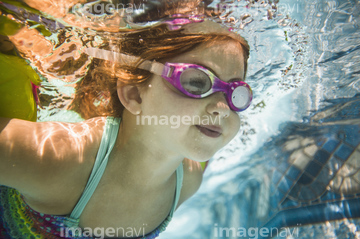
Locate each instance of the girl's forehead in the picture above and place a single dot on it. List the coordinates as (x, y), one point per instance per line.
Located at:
(224, 58)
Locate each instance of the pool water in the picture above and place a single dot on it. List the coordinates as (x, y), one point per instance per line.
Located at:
(294, 165)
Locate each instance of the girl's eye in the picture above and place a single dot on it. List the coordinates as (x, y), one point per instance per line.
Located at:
(195, 81)
(199, 83)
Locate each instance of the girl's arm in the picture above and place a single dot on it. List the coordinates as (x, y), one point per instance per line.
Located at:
(26, 153)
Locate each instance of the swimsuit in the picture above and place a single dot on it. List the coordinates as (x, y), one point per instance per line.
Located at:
(19, 221)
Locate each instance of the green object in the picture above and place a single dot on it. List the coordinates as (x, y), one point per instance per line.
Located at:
(8, 27)
(42, 29)
(22, 5)
(16, 94)
(204, 165)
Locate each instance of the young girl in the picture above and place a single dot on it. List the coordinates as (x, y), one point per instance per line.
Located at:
(141, 172)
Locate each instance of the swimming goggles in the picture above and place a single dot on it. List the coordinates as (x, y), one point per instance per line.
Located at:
(192, 80)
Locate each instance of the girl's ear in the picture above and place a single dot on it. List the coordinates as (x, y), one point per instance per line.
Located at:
(130, 98)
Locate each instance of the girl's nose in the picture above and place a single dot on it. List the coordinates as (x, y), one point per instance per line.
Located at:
(218, 105)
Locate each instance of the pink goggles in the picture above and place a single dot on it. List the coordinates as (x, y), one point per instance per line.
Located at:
(197, 81)
(192, 80)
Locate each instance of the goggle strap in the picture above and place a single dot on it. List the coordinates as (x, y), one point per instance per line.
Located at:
(152, 66)
(111, 56)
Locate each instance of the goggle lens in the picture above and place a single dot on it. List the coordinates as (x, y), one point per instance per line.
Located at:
(195, 81)
(240, 97)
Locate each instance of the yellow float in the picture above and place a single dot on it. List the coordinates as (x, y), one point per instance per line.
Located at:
(18, 81)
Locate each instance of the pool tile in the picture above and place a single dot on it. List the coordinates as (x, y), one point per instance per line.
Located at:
(352, 135)
(274, 202)
(295, 191)
(331, 145)
(323, 178)
(285, 184)
(330, 196)
(322, 156)
(293, 172)
(320, 142)
(343, 152)
(276, 177)
(280, 196)
(313, 169)
(334, 165)
(283, 167)
(307, 194)
(305, 179)
(288, 203)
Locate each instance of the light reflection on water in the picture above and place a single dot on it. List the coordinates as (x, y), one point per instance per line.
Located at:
(303, 54)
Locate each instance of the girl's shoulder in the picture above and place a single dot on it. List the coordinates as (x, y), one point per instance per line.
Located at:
(38, 157)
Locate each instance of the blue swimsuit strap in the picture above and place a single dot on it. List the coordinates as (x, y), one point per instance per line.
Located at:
(108, 140)
(179, 181)
(107, 143)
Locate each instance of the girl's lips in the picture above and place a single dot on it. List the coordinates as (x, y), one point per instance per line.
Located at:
(210, 130)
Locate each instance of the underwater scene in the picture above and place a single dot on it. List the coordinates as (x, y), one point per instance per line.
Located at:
(293, 169)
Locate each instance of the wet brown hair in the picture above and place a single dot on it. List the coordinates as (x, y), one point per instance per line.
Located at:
(96, 93)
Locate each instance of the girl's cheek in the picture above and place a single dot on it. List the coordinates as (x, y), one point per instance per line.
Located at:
(236, 123)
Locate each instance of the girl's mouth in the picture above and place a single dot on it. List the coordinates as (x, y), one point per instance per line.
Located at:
(210, 130)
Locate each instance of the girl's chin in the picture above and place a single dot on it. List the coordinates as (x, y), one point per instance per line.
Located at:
(201, 158)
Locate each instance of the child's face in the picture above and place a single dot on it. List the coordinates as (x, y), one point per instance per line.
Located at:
(182, 120)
